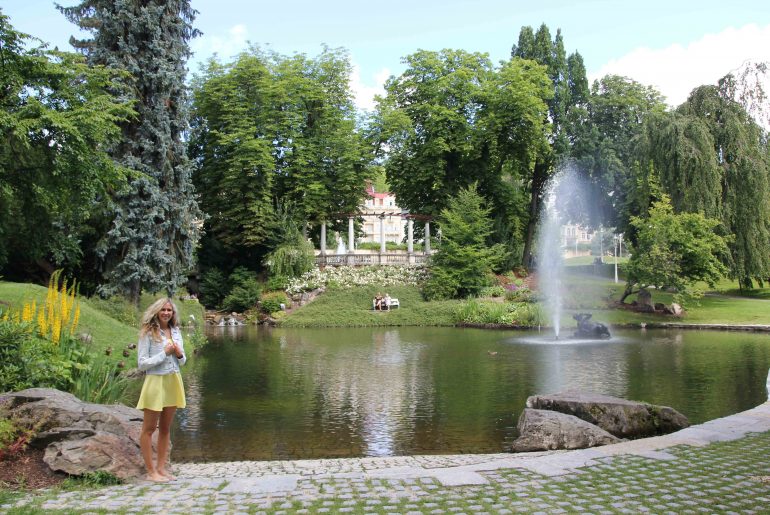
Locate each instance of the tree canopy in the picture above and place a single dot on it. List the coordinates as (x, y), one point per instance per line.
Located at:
(58, 117)
(268, 130)
(674, 250)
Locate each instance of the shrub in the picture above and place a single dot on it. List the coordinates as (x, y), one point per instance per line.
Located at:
(277, 282)
(492, 291)
(345, 277)
(214, 287)
(117, 307)
(519, 294)
(517, 314)
(389, 245)
(245, 291)
(271, 302)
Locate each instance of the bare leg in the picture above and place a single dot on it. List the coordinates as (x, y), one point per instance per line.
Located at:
(149, 424)
(164, 440)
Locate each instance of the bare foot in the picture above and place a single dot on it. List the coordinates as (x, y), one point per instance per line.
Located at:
(168, 475)
(157, 477)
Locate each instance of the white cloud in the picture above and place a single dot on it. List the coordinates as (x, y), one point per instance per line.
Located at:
(363, 93)
(224, 45)
(675, 71)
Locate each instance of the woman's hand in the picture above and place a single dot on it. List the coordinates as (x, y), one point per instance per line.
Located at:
(169, 348)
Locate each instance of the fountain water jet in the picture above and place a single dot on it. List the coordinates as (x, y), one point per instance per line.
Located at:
(550, 265)
(564, 189)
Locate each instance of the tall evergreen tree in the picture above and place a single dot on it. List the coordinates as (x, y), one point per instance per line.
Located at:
(151, 240)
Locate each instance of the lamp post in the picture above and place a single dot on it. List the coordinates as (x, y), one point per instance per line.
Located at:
(615, 239)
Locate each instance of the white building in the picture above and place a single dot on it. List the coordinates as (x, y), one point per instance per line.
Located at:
(576, 240)
(383, 206)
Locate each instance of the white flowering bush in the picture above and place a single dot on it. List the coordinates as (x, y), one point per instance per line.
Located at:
(349, 277)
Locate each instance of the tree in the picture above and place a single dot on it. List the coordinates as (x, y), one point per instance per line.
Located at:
(272, 130)
(605, 149)
(452, 120)
(674, 250)
(566, 113)
(465, 259)
(57, 117)
(741, 151)
(156, 219)
(710, 157)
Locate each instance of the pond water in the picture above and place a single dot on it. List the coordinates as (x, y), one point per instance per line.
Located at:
(259, 394)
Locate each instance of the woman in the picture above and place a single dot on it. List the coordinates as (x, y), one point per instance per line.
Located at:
(160, 355)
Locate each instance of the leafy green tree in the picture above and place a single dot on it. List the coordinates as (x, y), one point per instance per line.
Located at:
(674, 250)
(272, 130)
(465, 259)
(741, 151)
(566, 114)
(57, 117)
(451, 120)
(605, 149)
(156, 219)
(710, 157)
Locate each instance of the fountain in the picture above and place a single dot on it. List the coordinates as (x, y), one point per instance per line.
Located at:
(549, 262)
(340, 246)
(565, 195)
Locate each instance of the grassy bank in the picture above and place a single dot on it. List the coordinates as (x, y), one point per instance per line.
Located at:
(353, 308)
(583, 293)
(110, 323)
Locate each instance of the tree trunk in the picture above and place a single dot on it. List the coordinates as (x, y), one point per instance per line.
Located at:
(539, 179)
(628, 291)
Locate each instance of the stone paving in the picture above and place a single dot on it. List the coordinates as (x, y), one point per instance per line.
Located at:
(722, 466)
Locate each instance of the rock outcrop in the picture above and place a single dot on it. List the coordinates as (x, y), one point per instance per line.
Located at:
(543, 430)
(79, 437)
(619, 417)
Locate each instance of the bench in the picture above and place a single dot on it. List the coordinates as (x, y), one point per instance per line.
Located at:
(391, 304)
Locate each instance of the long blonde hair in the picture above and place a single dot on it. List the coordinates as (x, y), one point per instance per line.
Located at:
(150, 320)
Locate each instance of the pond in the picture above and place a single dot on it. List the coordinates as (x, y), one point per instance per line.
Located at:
(260, 394)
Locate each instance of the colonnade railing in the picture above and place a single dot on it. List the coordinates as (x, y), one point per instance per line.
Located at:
(352, 259)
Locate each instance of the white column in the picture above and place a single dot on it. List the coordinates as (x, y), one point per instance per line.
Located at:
(410, 236)
(323, 238)
(427, 237)
(351, 236)
(382, 235)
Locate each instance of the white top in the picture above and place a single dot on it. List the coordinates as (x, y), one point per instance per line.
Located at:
(154, 360)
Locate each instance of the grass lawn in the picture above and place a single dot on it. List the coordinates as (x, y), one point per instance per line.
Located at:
(353, 308)
(583, 293)
(588, 293)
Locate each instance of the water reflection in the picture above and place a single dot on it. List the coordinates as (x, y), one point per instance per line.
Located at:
(267, 394)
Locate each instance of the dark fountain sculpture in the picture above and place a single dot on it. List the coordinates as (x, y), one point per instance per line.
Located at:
(588, 329)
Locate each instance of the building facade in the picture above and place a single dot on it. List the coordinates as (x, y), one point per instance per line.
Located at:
(382, 206)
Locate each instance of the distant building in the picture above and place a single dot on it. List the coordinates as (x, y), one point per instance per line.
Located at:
(576, 240)
(382, 205)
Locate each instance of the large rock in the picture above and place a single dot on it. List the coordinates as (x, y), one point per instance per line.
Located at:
(620, 417)
(543, 430)
(80, 437)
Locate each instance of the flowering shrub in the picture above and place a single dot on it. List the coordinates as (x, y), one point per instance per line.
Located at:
(348, 277)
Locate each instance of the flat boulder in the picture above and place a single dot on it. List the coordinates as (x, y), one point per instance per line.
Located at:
(619, 417)
(79, 437)
(543, 430)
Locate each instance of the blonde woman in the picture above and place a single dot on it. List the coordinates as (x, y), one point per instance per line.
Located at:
(161, 353)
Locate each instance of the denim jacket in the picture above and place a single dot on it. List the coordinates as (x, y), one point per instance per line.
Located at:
(153, 360)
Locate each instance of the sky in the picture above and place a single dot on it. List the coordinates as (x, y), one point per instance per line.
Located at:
(672, 45)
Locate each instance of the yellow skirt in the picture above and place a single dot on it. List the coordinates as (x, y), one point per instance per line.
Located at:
(160, 391)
